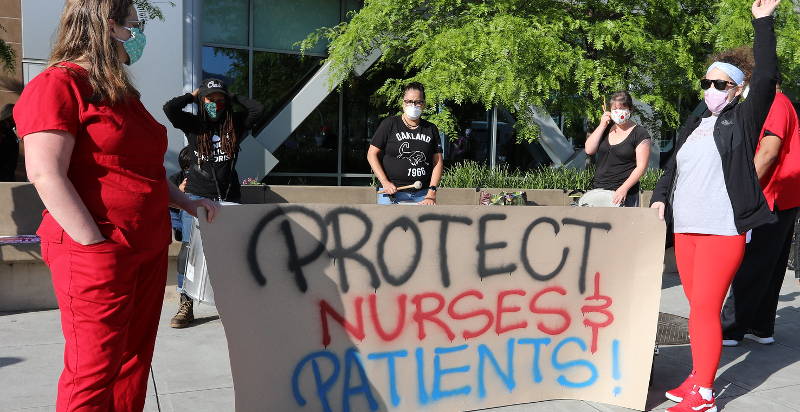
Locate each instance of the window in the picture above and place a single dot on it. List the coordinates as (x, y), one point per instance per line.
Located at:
(228, 65)
(250, 44)
(281, 24)
(278, 76)
(314, 146)
(362, 114)
(226, 22)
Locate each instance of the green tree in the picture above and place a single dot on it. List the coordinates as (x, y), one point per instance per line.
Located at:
(7, 55)
(150, 10)
(733, 29)
(561, 55)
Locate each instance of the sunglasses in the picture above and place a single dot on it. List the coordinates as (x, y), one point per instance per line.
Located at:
(705, 84)
(414, 102)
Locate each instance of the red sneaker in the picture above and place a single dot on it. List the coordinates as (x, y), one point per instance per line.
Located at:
(677, 394)
(694, 402)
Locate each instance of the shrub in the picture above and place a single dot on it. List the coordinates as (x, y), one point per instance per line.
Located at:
(473, 174)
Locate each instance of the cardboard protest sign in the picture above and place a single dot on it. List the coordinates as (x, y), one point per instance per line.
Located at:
(380, 308)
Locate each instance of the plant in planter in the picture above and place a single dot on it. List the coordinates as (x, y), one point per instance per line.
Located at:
(471, 174)
(249, 181)
(504, 199)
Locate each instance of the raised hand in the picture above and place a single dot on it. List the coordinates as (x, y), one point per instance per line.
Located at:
(764, 8)
(606, 118)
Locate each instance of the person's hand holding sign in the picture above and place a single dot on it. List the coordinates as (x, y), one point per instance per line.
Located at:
(660, 206)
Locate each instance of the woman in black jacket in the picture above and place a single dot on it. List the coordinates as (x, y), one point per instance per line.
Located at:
(711, 197)
(214, 136)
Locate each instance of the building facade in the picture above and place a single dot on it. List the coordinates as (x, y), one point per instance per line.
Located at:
(252, 45)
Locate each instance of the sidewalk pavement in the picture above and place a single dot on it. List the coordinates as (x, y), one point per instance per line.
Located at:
(191, 372)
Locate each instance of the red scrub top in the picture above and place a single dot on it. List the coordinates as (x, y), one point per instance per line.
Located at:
(117, 163)
(782, 185)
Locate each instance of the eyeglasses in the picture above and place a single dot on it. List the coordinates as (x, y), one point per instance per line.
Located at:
(138, 24)
(414, 102)
(705, 84)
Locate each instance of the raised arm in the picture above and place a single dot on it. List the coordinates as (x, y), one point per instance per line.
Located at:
(180, 119)
(254, 111)
(765, 73)
(593, 141)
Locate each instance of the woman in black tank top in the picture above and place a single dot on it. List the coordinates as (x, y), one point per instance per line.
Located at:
(623, 150)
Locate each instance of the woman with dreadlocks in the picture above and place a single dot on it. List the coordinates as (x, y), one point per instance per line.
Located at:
(214, 136)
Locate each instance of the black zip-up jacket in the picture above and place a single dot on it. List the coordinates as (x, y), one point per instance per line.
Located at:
(201, 176)
(736, 136)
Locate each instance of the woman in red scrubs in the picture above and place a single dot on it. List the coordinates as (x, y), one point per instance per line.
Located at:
(96, 156)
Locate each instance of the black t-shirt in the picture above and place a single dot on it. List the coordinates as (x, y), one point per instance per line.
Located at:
(407, 154)
(616, 162)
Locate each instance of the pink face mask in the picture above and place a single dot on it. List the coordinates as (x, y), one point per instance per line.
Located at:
(716, 100)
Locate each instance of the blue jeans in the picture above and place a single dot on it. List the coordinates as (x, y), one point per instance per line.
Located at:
(403, 196)
(186, 228)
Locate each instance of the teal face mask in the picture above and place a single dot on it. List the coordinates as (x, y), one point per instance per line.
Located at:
(211, 109)
(135, 45)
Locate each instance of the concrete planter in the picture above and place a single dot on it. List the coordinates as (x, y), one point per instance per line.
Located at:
(25, 280)
(366, 195)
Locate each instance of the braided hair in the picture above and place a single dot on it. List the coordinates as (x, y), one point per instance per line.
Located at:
(226, 132)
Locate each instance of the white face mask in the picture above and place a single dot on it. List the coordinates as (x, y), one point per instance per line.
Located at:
(412, 111)
(620, 116)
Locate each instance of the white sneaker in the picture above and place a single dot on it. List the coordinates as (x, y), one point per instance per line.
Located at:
(764, 341)
(730, 342)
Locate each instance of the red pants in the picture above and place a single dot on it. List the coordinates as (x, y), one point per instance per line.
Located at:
(707, 264)
(110, 298)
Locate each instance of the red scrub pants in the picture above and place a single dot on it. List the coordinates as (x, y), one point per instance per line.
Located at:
(110, 298)
(706, 264)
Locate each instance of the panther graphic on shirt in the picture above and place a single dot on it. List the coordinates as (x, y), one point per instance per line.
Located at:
(415, 158)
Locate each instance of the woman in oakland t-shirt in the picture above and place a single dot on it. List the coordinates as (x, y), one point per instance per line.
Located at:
(406, 149)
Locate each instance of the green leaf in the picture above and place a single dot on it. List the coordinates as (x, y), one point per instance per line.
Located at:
(152, 11)
(563, 56)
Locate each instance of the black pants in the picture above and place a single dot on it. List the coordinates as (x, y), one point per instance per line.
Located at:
(795, 252)
(753, 300)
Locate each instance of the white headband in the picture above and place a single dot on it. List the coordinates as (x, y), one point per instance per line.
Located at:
(732, 71)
